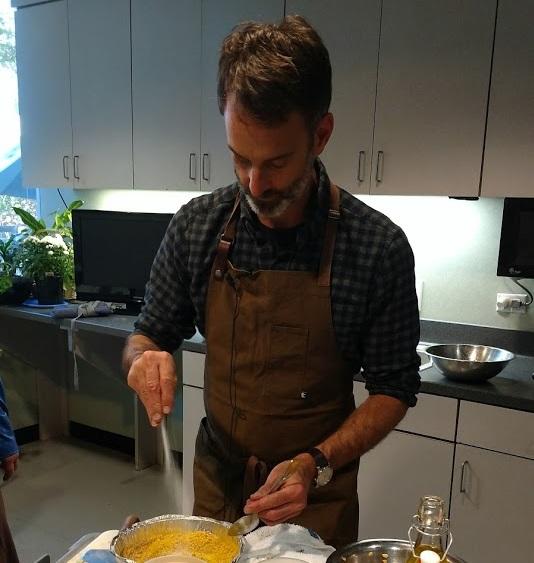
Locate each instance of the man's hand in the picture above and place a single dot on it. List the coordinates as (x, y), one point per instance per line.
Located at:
(152, 375)
(290, 500)
(9, 465)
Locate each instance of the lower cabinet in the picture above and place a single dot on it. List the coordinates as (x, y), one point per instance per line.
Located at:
(393, 477)
(414, 460)
(492, 506)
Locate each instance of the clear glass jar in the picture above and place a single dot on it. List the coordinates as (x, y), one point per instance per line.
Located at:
(432, 534)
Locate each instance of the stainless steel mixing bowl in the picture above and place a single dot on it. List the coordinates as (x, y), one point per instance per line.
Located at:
(378, 551)
(470, 363)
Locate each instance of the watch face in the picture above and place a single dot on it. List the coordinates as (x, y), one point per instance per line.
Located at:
(324, 475)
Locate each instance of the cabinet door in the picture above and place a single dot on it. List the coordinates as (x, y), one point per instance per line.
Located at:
(492, 507)
(350, 33)
(218, 19)
(432, 93)
(193, 413)
(44, 95)
(508, 165)
(100, 59)
(165, 93)
(393, 477)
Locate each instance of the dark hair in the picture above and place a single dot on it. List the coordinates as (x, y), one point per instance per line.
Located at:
(273, 70)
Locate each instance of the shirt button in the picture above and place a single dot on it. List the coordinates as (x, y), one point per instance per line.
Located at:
(303, 394)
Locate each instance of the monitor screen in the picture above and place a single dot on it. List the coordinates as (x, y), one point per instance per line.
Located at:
(516, 250)
(114, 251)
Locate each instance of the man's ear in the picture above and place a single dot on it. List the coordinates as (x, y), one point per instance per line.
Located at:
(322, 133)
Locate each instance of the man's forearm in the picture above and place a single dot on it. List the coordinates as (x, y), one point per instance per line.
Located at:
(363, 429)
(135, 346)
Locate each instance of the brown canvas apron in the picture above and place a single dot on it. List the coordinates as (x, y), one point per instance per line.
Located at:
(275, 386)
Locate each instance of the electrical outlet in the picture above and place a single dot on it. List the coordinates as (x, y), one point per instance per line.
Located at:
(511, 303)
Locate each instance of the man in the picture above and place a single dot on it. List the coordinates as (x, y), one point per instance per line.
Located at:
(9, 455)
(295, 285)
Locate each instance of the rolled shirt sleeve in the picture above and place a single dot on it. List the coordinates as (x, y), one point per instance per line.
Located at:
(390, 362)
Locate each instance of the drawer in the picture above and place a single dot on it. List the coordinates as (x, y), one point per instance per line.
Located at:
(432, 416)
(193, 368)
(496, 428)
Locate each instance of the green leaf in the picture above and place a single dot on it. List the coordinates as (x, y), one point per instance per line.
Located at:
(29, 220)
(75, 204)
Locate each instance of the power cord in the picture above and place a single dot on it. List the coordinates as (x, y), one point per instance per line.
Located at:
(529, 293)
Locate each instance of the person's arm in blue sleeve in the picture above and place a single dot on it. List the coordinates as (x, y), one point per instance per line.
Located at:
(9, 451)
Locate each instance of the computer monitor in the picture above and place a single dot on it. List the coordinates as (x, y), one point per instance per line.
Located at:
(516, 248)
(113, 254)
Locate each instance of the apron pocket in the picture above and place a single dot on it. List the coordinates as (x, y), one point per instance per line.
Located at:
(288, 349)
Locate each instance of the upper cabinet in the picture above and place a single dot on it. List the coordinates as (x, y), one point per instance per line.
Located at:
(179, 140)
(508, 157)
(433, 77)
(166, 93)
(73, 64)
(351, 33)
(44, 95)
(100, 66)
(218, 19)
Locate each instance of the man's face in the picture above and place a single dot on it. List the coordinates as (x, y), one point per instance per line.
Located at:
(273, 165)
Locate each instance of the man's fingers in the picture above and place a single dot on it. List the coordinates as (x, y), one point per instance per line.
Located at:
(282, 513)
(167, 377)
(9, 468)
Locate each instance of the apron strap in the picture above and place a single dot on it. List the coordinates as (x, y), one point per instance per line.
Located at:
(325, 268)
(220, 264)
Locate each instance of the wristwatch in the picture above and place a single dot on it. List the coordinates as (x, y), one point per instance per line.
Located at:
(324, 471)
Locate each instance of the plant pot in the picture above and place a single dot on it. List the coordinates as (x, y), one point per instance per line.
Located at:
(18, 292)
(49, 290)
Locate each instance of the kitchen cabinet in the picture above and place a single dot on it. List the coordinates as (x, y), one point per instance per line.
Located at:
(74, 69)
(193, 409)
(100, 63)
(413, 460)
(508, 165)
(433, 78)
(492, 506)
(179, 139)
(218, 19)
(44, 95)
(351, 34)
(166, 50)
(493, 496)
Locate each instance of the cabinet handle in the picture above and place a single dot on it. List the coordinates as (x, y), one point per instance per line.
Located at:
(192, 166)
(206, 167)
(361, 167)
(66, 167)
(462, 487)
(76, 170)
(379, 167)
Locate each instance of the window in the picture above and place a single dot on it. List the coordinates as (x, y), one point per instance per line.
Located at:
(11, 191)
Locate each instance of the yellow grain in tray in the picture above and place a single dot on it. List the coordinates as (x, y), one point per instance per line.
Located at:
(208, 546)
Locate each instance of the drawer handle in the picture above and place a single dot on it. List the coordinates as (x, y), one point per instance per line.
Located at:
(361, 167)
(463, 489)
(380, 167)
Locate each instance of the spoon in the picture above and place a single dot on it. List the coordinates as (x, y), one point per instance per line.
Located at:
(250, 522)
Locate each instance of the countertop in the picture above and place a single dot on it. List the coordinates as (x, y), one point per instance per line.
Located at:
(512, 388)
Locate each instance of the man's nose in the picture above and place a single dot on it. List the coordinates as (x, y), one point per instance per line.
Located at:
(257, 182)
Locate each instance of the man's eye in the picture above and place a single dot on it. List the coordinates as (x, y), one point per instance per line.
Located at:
(278, 164)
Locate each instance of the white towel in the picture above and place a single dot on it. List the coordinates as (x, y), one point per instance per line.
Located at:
(284, 540)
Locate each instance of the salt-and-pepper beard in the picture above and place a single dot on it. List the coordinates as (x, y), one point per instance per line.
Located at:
(277, 202)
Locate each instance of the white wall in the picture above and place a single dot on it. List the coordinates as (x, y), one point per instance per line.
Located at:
(455, 242)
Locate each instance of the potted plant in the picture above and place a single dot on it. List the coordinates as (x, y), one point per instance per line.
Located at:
(46, 254)
(14, 289)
